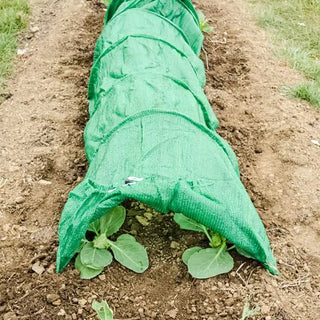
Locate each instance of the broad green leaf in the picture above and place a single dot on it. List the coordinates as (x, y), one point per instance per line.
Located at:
(187, 223)
(94, 226)
(210, 262)
(130, 253)
(103, 310)
(85, 272)
(188, 253)
(244, 253)
(113, 220)
(82, 243)
(101, 241)
(95, 258)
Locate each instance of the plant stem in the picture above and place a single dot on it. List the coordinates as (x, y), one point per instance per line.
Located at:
(109, 243)
(206, 233)
(232, 247)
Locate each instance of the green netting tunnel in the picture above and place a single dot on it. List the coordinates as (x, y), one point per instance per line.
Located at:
(152, 133)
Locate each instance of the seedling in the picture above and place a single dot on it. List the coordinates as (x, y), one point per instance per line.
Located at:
(105, 2)
(203, 22)
(95, 255)
(247, 312)
(103, 310)
(209, 262)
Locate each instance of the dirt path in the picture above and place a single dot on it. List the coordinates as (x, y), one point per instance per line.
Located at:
(42, 159)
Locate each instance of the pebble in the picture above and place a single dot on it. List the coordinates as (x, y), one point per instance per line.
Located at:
(52, 297)
(38, 268)
(82, 302)
(63, 287)
(102, 277)
(229, 302)
(44, 182)
(209, 310)
(61, 312)
(56, 303)
(143, 221)
(134, 232)
(74, 316)
(148, 215)
(174, 244)
(34, 29)
(265, 309)
(10, 316)
(6, 227)
(19, 200)
(172, 313)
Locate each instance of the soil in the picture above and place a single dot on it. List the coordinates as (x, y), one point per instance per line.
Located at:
(42, 159)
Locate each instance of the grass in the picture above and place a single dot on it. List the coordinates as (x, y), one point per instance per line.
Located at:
(13, 18)
(295, 26)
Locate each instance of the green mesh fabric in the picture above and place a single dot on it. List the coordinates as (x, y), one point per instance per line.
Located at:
(152, 133)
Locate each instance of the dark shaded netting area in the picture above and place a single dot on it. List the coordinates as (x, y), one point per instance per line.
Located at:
(152, 133)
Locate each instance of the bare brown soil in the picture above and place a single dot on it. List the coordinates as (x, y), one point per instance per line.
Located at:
(42, 159)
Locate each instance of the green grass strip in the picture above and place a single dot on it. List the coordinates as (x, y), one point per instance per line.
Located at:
(13, 18)
(295, 26)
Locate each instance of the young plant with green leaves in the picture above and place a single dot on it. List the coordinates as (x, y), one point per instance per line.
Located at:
(103, 310)
(209, 262)
(247, 312)
(105, 2)
(95, 255)
(203, 22)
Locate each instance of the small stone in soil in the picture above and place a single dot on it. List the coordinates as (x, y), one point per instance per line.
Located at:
(19, 200)
(44, 182)
(143, 221)
(172, 313)
(6, 227)
(34, 29)
(38, 268)
(52, 297)
(174, 244)
(148, 215)
(61, 312)
(56, 303)
(82, 302)
(10, 316)
(265, 309)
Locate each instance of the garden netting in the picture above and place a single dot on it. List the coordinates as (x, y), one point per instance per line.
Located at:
(152, 133)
